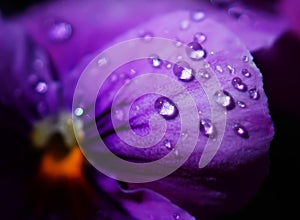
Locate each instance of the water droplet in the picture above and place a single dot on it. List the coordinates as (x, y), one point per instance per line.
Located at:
(219, 69)
(195, 51)
(238, 84)
(147, 36)
(60, 31)
(246, 73)
(224, 99)
(102, 61)
(78, 111)
(241, 104)
(166, 108)
(184, 24)
(207, 128)
(168, 65)
(119, 115)
(176, 216)
(168, 144)
(245, 59)
(240, 131)
(254, 94)
(204, 74)
(155, 61)
(183, 71)
(230, 68)
(199, 37)
(41, 87)
(197, 16)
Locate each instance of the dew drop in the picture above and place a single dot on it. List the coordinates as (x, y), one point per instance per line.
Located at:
(166, 108)
(147, 36)
(246, 73)
(78, 111)
(41, 87)
(240, 131)
(168, 65)
(197, 16)
(254, 94)
(241, 104)
(230, 68)
(155, 61)
(184, 24)
(207, 128)
(195, 51)
(223, 98)
(199, 37)
(203, 73)
(245, 59)
(60, 31)
(176, 216)
(183, 71)
(219, 69)
(168, 144)
(238, 84)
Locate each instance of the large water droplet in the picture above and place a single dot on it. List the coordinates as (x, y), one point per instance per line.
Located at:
(60, 31)
(240, 131)
(195, 51)
(238, 84)
(197, 16)
(166, 108)
(207, 128)
(224, 99)
(41, 87)
(200, 37)
(254, 94)
(246, 73)
(183, 71)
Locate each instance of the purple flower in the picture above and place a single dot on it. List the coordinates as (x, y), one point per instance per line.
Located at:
(45, 51)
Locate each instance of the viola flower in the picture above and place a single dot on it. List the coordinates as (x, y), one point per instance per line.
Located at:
(45, 51)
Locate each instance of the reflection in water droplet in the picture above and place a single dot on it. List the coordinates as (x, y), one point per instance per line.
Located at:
(241, 104)
(195, 51)
(224, 99)
(238, 84)
(41, 87)
(199, 37)
(207, 128)
(184, 24)
(197, 16)
(254, 94)
(183, 71)
(166, 108)
(60, 31)
(246, 73)
(240, 131)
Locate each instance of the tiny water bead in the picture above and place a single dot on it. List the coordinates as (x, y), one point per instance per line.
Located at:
(203, 73)
(254, 94)
(78, 111)
(41, 87)
(60, 31)
(168, 144)
(184, 24)
(197, 16)
(147, 36)
(245, 59)
(166, 108)
(246, 73)
(176, 216)
(230, 69)
(207, 128)
(240, 131)
(183, 71)
(219, 69)
(195, 51)
(199, 37)
(223, 98)
(238, 84)
(155, 61)
(241, 104)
